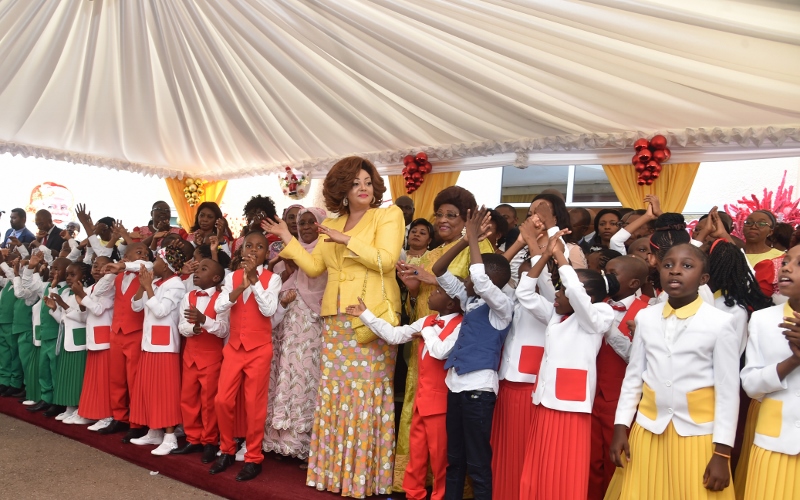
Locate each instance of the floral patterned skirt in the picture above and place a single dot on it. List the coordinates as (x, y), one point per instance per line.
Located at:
(352, 441)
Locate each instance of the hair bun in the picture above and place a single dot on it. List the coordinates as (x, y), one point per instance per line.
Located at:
(670, 221)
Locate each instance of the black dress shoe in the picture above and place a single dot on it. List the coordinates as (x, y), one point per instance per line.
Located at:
(209, 453)
(187, 448)
(223, 462)
(10, 391)
(3, 388)
(41, 405)
(134, 434)
(19, 394)
(114, 427)
(54, 410)
(249, 471)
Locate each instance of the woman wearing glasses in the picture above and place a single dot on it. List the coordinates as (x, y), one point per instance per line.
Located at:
(764, 259)
(450, 206)
(159, 225)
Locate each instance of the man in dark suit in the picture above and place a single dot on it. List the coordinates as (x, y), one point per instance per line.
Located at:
(18, 234)
(49, 235)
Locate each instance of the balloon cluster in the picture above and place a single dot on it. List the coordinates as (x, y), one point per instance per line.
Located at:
(649, 157)
(193, 190)
(414, 171)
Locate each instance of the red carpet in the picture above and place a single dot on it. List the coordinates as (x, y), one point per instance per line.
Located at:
(280, 479)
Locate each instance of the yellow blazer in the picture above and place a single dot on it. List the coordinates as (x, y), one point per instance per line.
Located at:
(379, 230)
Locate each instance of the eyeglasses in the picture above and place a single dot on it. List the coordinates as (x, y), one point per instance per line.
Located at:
(449, 216)
(760, 224)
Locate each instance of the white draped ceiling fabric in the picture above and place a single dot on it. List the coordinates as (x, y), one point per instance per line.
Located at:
(223, 89)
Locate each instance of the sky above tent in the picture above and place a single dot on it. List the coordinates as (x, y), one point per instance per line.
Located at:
(223, 89)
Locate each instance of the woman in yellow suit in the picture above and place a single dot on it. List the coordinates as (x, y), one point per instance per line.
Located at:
(352, 440)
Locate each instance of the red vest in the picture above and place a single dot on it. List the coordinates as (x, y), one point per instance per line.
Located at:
(125, 319)
(431, 396)
(610, 367)
(204, 349)
(249, 328)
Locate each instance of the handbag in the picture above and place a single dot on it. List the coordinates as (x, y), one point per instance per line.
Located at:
(384, 310)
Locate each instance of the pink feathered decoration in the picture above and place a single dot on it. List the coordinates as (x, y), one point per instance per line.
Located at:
(782, 206)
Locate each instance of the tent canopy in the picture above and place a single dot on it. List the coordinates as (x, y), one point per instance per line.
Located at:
(222, 89)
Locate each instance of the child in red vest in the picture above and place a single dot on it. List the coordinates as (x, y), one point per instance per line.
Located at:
(126, 339)
(428, 435)
(155, 401)
(205, 333)
(612, 360)
(251, 295)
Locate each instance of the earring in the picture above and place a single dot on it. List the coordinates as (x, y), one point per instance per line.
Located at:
(374, 200)
(344, 202)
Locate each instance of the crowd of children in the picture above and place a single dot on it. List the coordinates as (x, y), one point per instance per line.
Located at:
(564, 369)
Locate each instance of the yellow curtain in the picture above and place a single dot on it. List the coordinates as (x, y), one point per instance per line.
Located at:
(672, 186)
(424, 196)
(212, 191)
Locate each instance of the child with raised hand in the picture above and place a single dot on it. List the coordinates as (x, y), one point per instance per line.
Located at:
(682, 378)
(472, 365)
(772, 374)
(519, 368)
(71, 348)
(22, 326)
(205, 333)
(428, 436)
(156, 401)
(638, 226)
(612, 360)
(94, 406)
(32, 283)
(558, 444)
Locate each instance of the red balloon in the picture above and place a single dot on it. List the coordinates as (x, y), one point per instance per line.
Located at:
(639, 167)
(408, 159)
(658, 142)
(428, 167)
(416, 176)
(659, 155)
(641, 144)
(413, 168)
(667, 154)
(640, 181)
(646, 175)
(422, 157)
(645, 155)
(651, 165)
(649, 182)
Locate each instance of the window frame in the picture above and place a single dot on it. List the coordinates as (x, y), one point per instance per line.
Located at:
(569, 195)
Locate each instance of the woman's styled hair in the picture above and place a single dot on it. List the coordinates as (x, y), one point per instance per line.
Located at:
(339, 182)
(258, 202)
(457, 196)
(559, 209)
(731, 275)
(500, 222)
(428, 226)
(670, 231)
(209, 205)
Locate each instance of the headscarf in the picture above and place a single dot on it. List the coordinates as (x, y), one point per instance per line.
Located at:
(309, 289)
(276, 246)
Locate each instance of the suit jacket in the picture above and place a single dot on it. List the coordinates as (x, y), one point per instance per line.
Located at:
(379, 230)
(54, 239)
(26, 237)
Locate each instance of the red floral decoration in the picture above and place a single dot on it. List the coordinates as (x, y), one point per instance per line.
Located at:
(414, 171)
(649, 157)
(779, 202)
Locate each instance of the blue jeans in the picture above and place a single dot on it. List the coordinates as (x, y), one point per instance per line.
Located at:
(469, 451)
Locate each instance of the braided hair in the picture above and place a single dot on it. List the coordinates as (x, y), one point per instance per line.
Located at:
(598, 286)
(670, 231)
(731, 275)
(86, 272)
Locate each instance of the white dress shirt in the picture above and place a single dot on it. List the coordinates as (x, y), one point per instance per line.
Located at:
(501, 310)
(99, 303)
(394, 335)
(162, 310)
(267, 300)
(618, 341)
(218, 326)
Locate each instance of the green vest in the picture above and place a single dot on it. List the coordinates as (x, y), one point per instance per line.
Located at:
(23, 317)
(48, 327)
(7, 301)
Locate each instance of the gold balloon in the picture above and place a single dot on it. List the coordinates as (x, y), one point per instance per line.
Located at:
(193, 188)
(189, 181)
(198, 182)
(200, 191)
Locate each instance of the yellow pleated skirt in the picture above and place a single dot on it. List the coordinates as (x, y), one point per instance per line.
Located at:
(614, 491)
(772, 475)
(668, 467)
(740, 476)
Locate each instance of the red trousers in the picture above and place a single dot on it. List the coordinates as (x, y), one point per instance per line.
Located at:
(427, 439)
(198, 391)
(124, 365)
(251, 369)
(601, 468)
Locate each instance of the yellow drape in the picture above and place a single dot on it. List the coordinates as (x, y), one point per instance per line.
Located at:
(672, 186)
(424, 196)
(213, 191)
